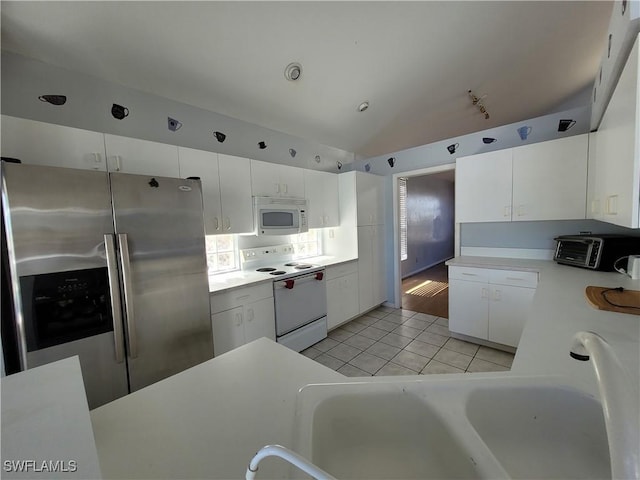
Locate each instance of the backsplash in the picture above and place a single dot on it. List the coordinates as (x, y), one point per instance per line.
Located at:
(531, 235)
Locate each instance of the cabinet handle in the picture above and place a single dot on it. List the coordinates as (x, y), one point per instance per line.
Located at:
(485, 293)
(497, 295)
(243, 296)
(217, 223)
(277, 188)
(517, 279)
(250, 315)
(469, 274)
(97, 160)
(118, 160)
(520, 210)
(238, 319)
(507, 211)
(595, 206)
(228, 227)
(286, 188)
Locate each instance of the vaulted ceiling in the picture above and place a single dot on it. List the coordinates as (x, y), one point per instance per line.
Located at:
(412, 61)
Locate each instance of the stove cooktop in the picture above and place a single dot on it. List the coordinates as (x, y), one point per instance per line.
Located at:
(290, 269)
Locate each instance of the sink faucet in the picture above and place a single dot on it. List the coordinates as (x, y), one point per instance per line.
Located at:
(288, 455)
(620, 404)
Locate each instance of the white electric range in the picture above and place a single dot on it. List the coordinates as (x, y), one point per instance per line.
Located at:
(299, 294)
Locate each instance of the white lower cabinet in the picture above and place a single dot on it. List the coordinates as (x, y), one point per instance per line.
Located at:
(242, 315)
(342, 293)
(490, 304)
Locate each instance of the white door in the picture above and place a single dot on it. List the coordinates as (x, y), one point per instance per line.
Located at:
(259, 320)
(550, 180)
(483, 187)
(506, 318)
(199, 163)
(468, 308)
(39, 143)
(132, 155)
(235, 193)
(228, 330)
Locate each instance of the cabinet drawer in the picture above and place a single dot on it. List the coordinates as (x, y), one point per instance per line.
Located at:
(337, 271)
(470, 274)
(240, 296)
(515, 278)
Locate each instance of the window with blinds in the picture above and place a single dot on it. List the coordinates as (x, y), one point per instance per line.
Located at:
(402, 189)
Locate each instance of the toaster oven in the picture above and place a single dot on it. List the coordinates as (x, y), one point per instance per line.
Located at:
(596, 252)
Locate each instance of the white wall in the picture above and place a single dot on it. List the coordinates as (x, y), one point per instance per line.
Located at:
(430, 222)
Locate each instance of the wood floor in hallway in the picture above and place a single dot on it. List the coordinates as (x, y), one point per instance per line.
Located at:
(427, 291)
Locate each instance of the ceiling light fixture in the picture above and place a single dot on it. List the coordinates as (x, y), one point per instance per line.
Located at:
(363, 106)
(477, 101)
(293, 71)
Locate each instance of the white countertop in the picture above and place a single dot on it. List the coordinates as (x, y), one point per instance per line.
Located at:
(210, 420)
(45, 420)
(560, 309)
(242, 278)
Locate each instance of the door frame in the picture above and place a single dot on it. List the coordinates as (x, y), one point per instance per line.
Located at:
(397, 271)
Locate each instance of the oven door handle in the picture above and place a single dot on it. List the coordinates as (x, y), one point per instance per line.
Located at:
(128, 295)
(114, 290)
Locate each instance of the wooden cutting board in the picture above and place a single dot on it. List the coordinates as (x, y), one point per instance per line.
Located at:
(598, 296)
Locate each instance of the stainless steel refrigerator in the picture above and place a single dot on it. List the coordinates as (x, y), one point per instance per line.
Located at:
(110, 267)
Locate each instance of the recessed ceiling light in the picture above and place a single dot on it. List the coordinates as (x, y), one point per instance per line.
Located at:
(293, 71)
(363, 106)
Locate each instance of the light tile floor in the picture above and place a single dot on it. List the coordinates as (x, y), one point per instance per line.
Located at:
(389, 341)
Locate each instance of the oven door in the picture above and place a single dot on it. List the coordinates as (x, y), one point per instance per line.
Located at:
(299, 301)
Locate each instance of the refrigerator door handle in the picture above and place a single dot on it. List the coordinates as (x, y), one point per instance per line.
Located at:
(114, 290)
(128, 295)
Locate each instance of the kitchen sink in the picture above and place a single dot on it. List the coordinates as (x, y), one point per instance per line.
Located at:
(455, 426)
(541, 432)
(385, 436)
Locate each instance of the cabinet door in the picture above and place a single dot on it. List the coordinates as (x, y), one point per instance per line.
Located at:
(39, 143)
(618, 150)
(550, 180)
(198, 163)
(369, 198)
(265, 180)
(291, 181)
(259, 320)
(334, 303)
(468, 309)
(131, 155)
(365, 268)
(321, 189)
(507, 309)
(483, 187)
(379, 277)
(235, 193)
(228, 330)
(349, 289)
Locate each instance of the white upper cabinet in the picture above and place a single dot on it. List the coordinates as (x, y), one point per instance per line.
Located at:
(198, 163)
(226, 189)
(322, 192)
(540, 181)
(550, 180)
(132, 155)
(483, 187)
(616, 163)
(235, 194)
(275, 180)
(39, 143)
(370, 199)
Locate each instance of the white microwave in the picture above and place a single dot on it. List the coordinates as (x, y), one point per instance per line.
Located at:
(280, 216)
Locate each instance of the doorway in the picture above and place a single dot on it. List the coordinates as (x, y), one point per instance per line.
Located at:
(424, 238)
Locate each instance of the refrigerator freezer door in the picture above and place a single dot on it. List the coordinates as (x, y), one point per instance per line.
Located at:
(161, 220)
(57, 217)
